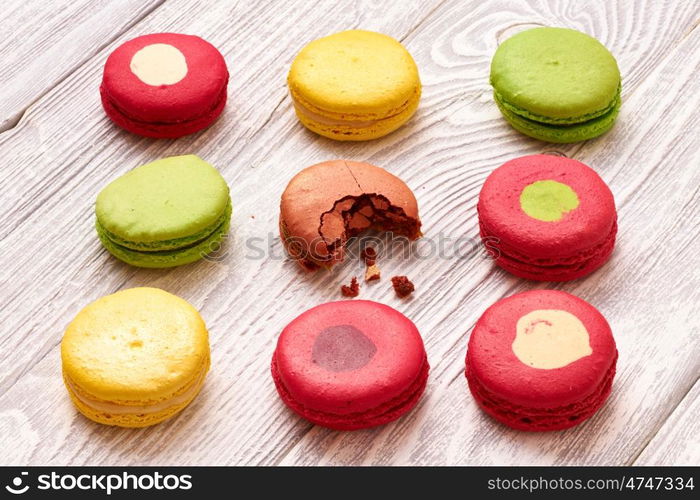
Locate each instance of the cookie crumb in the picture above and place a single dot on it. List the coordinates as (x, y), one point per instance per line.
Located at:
(369, 255)
(353, 290)
(402, 286)
(372, 273)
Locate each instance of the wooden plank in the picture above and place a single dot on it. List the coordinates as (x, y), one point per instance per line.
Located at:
(41, 43)
(678, 440)
(65, 150)
(644, 290)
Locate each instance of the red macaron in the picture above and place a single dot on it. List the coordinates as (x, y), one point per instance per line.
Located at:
(541, 360)
(164, 85)
(350, 365)
(547, 218)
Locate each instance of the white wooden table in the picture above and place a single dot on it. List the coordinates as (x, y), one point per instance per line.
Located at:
(58, 150)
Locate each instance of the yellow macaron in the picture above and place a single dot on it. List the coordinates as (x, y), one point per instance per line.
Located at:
(354, 86)
(135, 358)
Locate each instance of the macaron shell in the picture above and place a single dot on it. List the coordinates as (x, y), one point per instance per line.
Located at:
(357, 73)
(138, 345)
(555, 75)
(380, 415)
(501, 215)
(496, 367)
(196, 95)
(392, 370)
(571, 268)
(164, 200)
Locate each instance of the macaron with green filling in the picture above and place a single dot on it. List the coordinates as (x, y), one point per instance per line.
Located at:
(556, 84)
(167, 213)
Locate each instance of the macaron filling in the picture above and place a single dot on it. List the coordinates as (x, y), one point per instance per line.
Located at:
(562, 132)
(115, 408)
(191, 251)
(349, 120)
(612, 107)
(165, 245)
(347, 218)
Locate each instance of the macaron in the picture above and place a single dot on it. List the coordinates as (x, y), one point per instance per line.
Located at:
(166, 213)
(135, 358)
(164, 85)
(354, 85)
(350, 365)
(547, 218)
(326, 204)
(556, 84)
(541, 360)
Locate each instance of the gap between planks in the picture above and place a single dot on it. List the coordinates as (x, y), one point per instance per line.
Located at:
(15, 120)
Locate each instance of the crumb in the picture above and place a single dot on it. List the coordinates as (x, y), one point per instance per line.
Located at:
(402, 286)
(351, 291)
(252, 217)
(369, 255)
(372, 273)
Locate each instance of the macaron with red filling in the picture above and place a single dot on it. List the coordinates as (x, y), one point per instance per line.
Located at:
(164, 85)
(541, 360)
(350, 365)
(547, 218)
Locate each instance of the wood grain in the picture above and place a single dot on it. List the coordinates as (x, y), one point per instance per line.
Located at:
(41, 43)
(656, 206)
(69, 150)
(64, 150)
(678, 440)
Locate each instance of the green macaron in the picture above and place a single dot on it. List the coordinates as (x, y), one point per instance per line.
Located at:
(556, 84)
(166, 213)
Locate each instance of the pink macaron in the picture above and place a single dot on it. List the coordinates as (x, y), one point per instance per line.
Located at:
(547, 218)
(164, 85)
(350, 365)
(541, 360)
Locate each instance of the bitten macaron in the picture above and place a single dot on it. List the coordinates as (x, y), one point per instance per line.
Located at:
(164, 85)
(326, 204)
(556, 84)
(547, 218)
(541, 360)
(166, 213)
(354, 85)
(350, 365)
(135, 358)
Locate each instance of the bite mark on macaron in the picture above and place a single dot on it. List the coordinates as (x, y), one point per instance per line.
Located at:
(327, 204)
